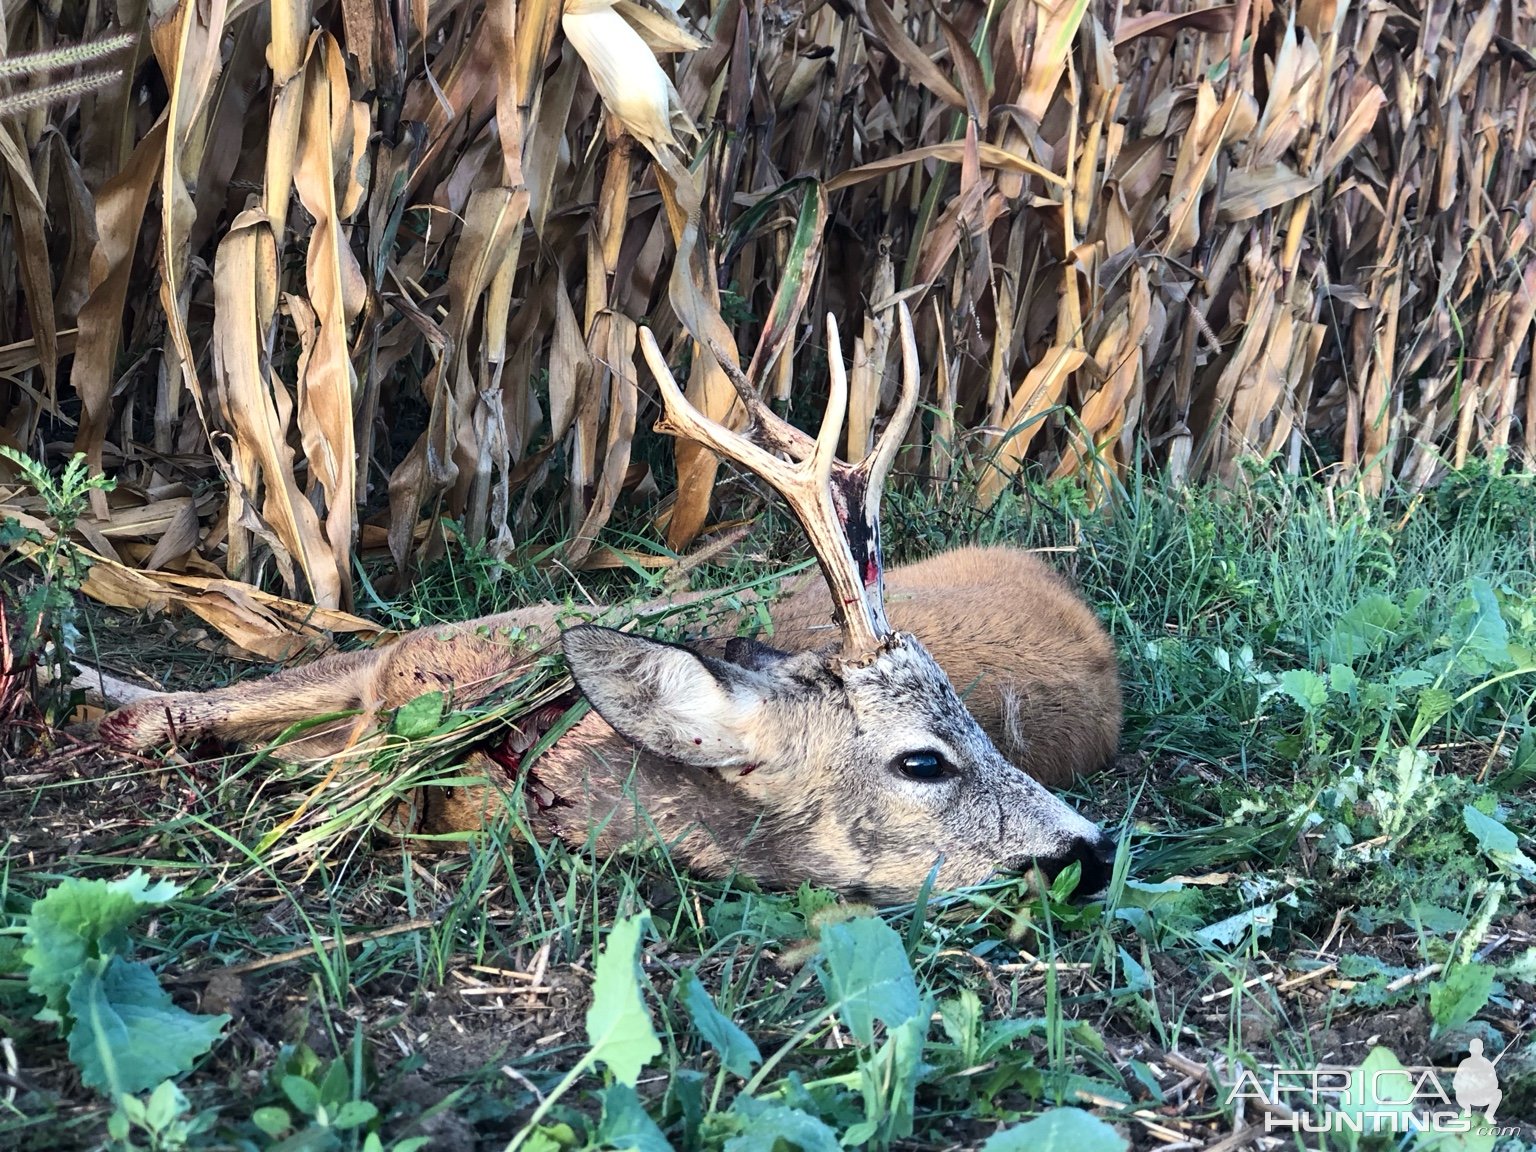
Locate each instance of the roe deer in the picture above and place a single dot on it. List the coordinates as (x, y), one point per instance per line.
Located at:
(853, 765)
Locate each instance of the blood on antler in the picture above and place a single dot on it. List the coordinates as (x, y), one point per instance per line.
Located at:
(836, 503)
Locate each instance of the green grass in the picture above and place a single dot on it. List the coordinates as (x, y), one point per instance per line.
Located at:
(1328, 805)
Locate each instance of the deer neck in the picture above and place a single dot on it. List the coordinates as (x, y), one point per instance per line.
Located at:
(593, 789)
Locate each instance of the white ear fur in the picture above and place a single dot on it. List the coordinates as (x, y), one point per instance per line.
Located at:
(666, 699)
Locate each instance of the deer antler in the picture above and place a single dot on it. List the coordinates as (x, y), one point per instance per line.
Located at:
(837, 504)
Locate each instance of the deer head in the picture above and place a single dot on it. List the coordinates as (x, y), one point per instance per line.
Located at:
(857, 768)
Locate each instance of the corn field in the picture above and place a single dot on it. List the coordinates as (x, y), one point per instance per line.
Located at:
(310, 280)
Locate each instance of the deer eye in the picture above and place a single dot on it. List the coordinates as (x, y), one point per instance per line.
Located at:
(922, 765)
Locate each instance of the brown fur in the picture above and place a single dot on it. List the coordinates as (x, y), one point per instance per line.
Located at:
(1035, 668)
(1031, 661)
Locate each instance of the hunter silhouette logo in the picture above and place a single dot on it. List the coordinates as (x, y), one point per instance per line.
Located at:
(1476, 1083)
(1381, 1095)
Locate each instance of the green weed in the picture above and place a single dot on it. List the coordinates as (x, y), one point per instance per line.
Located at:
(124, 1033)
(45, 629)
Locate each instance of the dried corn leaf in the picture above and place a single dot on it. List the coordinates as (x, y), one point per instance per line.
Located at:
(1249, 192)
(258, 409)
(31, 251)
(616, 336)
(327, 383)
(905, 49)
(1036, 395)
(120, 207)
(259, 624)
(1056, 25)
(988, 155)
(1164, 23)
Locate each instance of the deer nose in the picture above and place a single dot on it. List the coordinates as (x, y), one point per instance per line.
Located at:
(1096, 856)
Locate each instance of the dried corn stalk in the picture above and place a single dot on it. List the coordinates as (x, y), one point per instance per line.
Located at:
(318, 286)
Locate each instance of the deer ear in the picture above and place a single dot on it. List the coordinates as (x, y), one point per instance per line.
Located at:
(666, 699)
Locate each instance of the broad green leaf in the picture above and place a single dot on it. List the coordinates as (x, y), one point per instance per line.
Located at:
(860, 1134)
(1059, 1130)
(1433, 704)
(1151, 893)
(1477, 641)
(735, 1047)
(997, 1035)
(1370, 1096)
(336, 1085)
(81, 920)
(353, 1113)
(626, 1126)
(1234, 929)
(1522, 766)
(421, 716)
(302, 1094)
(1461, 995)
(1066, 882)
(867, 976)
(1445, 921)
(687, 1089)
(763, 916)
(301, 1060)
(961, 1017)
(1366, 628)
(1342, 680)
(1522, 967)
(552, 1138)
(1135, 974)
(890, 1079)
(769, 1124)
(1492, 835)
(273, 1121)
(1498, 843)
(1404, 678)
(619, 1025)
(1482, 1138)
(165, 1104)
(1487, 635)
(1308, 689)
(128, 1036)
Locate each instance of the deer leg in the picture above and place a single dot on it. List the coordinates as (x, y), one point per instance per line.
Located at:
(464, 661)
(253, 710)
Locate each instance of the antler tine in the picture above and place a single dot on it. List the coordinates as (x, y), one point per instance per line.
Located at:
(683, 419)
(876, 466)
(824, 455)
(807, 485)
(857, 596)
(861, 485)
(878, 463)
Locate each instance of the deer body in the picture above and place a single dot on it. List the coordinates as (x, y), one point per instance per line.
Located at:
(847, 759)
(1028, 658)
